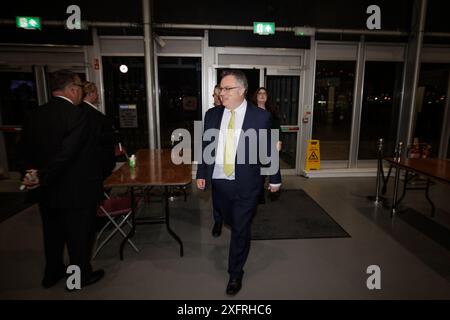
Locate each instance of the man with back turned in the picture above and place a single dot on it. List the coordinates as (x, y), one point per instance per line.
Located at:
(65, 176)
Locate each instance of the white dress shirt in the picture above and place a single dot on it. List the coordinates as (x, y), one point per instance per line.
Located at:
(218, 172)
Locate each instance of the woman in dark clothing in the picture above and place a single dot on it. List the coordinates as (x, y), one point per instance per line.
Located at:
(262, 99)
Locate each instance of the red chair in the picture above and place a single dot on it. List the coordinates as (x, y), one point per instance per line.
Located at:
(118, 211)
(120, 151)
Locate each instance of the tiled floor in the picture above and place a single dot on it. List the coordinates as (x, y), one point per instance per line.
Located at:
(413, 265)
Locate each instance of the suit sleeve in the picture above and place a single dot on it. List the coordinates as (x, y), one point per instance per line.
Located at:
(71, 145)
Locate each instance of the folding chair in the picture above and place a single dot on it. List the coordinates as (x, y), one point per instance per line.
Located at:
(120, 154)
(118, 211)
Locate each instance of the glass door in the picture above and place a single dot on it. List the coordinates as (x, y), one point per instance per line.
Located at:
(333, 109)
(431, 102)
(180, 96)
(284, 90)
(126, 100)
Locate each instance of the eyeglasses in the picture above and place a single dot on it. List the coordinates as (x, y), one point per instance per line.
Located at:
(228, 89)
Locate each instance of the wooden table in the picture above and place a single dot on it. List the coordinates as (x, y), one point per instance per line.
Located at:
(433, 169)
(154, 168)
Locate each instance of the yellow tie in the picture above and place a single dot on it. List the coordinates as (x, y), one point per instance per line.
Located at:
(228, 166)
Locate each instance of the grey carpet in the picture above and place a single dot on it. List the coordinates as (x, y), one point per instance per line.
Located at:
(12, 203)
(295, 215)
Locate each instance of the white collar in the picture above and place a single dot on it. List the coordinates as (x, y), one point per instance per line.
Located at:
(65, 98)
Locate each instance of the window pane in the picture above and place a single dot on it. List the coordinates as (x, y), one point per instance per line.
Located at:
(126, 100)
(380, 107)
(18, 97)
(333, 107)
(431, 97)
(180, 102)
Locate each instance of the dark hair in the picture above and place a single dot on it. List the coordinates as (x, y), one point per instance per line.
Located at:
(239, 75)
(269, 105)
(61, 79)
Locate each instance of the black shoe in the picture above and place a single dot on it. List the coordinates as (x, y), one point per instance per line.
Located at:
(234, 285)
(50, 281)
(217, 229)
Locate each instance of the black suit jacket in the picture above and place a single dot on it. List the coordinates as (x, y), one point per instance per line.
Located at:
(247, 174)
(102, 128)
(61, 141)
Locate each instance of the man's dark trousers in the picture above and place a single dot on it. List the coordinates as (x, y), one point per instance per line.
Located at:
(74, 227)
(237, 211)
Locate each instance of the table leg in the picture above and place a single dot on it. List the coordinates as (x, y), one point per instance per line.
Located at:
(133, 223)
(405, 185)
(394, 209)
(166, 209)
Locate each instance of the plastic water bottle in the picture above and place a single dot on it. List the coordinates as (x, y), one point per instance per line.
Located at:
(133, 161)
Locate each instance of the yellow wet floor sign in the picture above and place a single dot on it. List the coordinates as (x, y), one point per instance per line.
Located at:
(313, 155)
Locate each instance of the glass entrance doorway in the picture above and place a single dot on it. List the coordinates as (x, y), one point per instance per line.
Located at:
(180, 92)
(126, 101)
(284, 91)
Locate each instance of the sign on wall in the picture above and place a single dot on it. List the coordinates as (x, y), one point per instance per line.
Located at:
(264, 28)
(128, 116)
(29, 23)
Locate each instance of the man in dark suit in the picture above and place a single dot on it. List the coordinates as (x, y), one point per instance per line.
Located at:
(236, 179)
(65, 176)
(102, 128)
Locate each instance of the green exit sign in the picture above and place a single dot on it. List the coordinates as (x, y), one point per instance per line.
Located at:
(264, 28)
(28, 23)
